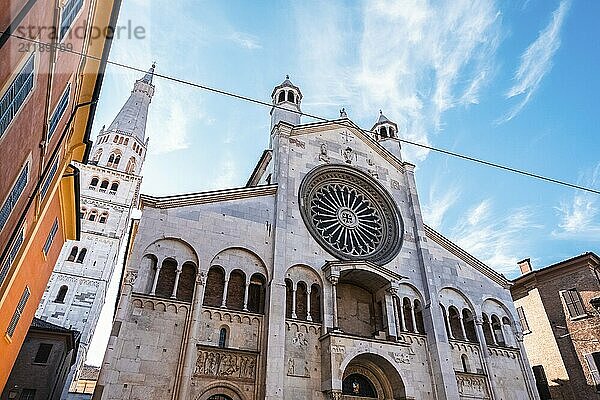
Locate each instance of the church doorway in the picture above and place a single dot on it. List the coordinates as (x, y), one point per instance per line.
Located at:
(370, 376)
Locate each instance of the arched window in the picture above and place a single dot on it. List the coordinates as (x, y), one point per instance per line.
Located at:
(487, 330)
(103, 217)
(114, 159)
(223, 337)
(236, 290)
(289, 298)
(420, 328)
(301, 300)
(97, 155)
(455, 327)
(392, 132)
(469, 323)
(497, 330)
(120, 140)
(82, 212)
(62, 293)
(126, 142)
(290, 97)
(166, 278)
(408, 322)
(315, 302)
(256, 293)
(187, 281)
(215, 284)
(111, 158)
(73, 254)
(116, 139)
(104, 184)
(92, 216)
(94, 183)
(81, 255)
(130, 165)
(465, 362)
(114, 186)
(358, 385)
(117, 160)
(383, 132)
(281, 96)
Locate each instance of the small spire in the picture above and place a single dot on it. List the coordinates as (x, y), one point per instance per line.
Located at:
(148, 77)
(287, 76)
(343, 113)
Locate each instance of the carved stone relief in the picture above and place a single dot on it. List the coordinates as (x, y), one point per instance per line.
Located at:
(298, 367)
(472, 386)
(323, 156)
(223, 363)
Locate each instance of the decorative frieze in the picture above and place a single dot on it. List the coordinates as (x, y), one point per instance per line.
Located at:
(472, 386)
(225, 364)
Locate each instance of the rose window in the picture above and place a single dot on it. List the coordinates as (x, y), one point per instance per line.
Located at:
(350, 215)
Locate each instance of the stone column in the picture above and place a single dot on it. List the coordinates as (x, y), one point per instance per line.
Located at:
(174, 294)
(390, 313)
(191, 346)
(308, 316)
(412, 316)
(450, 335)
(224, 302)
(396, 319)
(156, 274)
(294, 300)
(334, 281)
(486, 357)
(402, 324)
(462, 327)
(246, 296)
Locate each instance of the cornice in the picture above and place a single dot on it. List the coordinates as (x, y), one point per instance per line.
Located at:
(466, 257)
(215, 196)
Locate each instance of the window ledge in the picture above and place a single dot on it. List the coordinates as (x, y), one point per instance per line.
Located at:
(580, 317)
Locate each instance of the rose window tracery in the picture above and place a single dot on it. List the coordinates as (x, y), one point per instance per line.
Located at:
(350, 215)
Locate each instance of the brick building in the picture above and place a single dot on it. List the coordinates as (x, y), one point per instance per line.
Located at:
(43, 364)
(47, 101)
(558, 307)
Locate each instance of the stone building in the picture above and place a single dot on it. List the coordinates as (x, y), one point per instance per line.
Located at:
(110, 184)
(317, 280)
(43, 364)
(558, 307)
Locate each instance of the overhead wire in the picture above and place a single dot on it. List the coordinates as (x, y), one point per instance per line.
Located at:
(230, 94)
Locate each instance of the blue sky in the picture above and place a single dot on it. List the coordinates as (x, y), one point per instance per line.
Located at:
(512, 82)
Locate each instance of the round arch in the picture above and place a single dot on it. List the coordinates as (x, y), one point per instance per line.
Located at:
(259, 264)
(490, 306)
(221, 388)
(459, 293)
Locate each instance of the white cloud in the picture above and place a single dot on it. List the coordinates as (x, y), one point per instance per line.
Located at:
(245, 40)
(438, 204)
(536, 61)
(415, 60)
(498, 240)
(579, 217)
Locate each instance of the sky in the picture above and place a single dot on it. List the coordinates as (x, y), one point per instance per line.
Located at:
(513, 82)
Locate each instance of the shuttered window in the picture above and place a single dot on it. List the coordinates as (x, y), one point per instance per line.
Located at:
(14, 97)
(593, 361)
(50, 237)
(14, 195)
(523, 320)
(12, 254)
(18, 311)
(59, 111)
(49, 178)
(573, 303)
(68, 14)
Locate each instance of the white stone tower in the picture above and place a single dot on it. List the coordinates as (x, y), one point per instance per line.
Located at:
(287, 98)
(109, 190)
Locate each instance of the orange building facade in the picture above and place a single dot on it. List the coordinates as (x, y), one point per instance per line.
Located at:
(48, 93)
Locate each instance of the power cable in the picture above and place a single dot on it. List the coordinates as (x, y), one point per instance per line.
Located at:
(226, 93)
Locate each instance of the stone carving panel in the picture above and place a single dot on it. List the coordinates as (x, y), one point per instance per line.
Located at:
(225, 364)
(472, 386)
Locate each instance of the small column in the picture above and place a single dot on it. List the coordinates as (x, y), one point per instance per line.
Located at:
(450, 335)
(412, 316)
(224, 302)
(462, 328)
(174, 294)
(334, 281)
(396, 319)
(294, 301)
(486, 356)
(308, 316)
(246, 296)
(156, 274)
(494, 342)
(402, 324)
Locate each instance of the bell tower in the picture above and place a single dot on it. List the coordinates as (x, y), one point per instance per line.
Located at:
(287, 98)
(385, 132)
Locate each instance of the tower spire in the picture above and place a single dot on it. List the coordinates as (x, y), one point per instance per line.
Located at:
(131, 119)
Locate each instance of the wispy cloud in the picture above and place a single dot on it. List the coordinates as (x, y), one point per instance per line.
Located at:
(438, 204)
(579, 217)
(498, 240)
(415, 60)
(536, 61)
(245, 40)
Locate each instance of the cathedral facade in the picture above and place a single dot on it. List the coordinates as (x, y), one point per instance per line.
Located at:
(317, 280)
(109, 189)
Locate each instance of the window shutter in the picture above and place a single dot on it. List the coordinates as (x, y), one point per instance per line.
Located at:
(591, 362)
